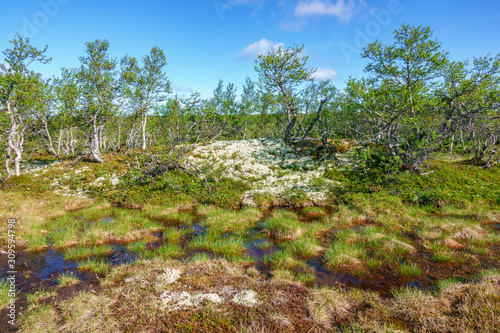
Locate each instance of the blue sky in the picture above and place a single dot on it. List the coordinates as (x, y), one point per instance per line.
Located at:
(205, 41)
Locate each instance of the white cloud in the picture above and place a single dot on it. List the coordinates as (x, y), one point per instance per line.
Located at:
(323, 74)
(343, 9)
(253, 50)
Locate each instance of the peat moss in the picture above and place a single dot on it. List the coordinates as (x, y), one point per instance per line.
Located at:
(24, 183)
(178, 187)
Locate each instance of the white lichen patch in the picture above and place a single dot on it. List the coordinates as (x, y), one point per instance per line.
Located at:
(179, 300)
(37, 166)
(114, 180)
(139, 278)
(65, 175)
(174, 300)
(246, 297)
(98, 182)
(169, 276)
(269, 166)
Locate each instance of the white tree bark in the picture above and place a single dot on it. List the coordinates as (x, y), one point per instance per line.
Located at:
(15, 139)
(94, 141)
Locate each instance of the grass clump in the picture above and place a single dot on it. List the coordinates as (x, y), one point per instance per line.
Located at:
(409, 270)
(174, 235)
(284, 226)
(304, 247)
(41, 319)
(314, 213)
(440, 252)
(82, 252)
(137, 247)
(35, 297)
(227, 246)
(343, 254)
(286, 266)
(230, 221)
(67, 279)
(179, 218)
(4, 293)
(168, 251)
(95, 266)
(200, 257)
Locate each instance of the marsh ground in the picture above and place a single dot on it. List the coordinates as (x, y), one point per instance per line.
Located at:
(422, 254)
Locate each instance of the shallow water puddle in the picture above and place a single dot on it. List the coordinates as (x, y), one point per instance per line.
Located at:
(46, 265)
(198, 230)
(160, 241)
(380, 280)
(254, 250)
(34, 269)
(121, 256)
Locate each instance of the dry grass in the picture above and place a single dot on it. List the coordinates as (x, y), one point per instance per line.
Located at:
(32, 214)
(456, 307)
(224, 221)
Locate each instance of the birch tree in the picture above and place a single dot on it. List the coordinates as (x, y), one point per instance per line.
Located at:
(18, 93)
(145, 86)
(283, 73)
(98, 87)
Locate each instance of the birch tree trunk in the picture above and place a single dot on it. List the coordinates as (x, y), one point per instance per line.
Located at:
(49, 138)
(143, 128)
(94, 141)
(14, 144)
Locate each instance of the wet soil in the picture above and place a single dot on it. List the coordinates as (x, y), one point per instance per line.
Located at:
(37, 270)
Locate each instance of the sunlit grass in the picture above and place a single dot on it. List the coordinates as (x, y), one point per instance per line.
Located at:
(180, 217)
(66, 235)
(34, 297)
(36, 240)
(64, 280)
(137, 247)
(174, 235)
(303, 246)
(225, 246)
(200, 257)
(341, 253)
(440, 252)
(409, 270)
(314, 213)
(94, 266)
(286, 266)
(168, 251)
(4, 293)
(82, 252)
(230, 221)
(41, 319)
(284, 225)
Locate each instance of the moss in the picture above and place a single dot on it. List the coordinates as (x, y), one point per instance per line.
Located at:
(25, 184)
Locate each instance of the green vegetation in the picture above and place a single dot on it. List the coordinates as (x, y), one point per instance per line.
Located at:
(4, 293)
(404, 201)
(95, 266)
(284, 225)
(35, 297)
(64, 280)
(82, 252)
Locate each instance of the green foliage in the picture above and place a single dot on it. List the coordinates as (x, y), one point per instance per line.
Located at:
(25, 183)
(145, 87)
(176, 186)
